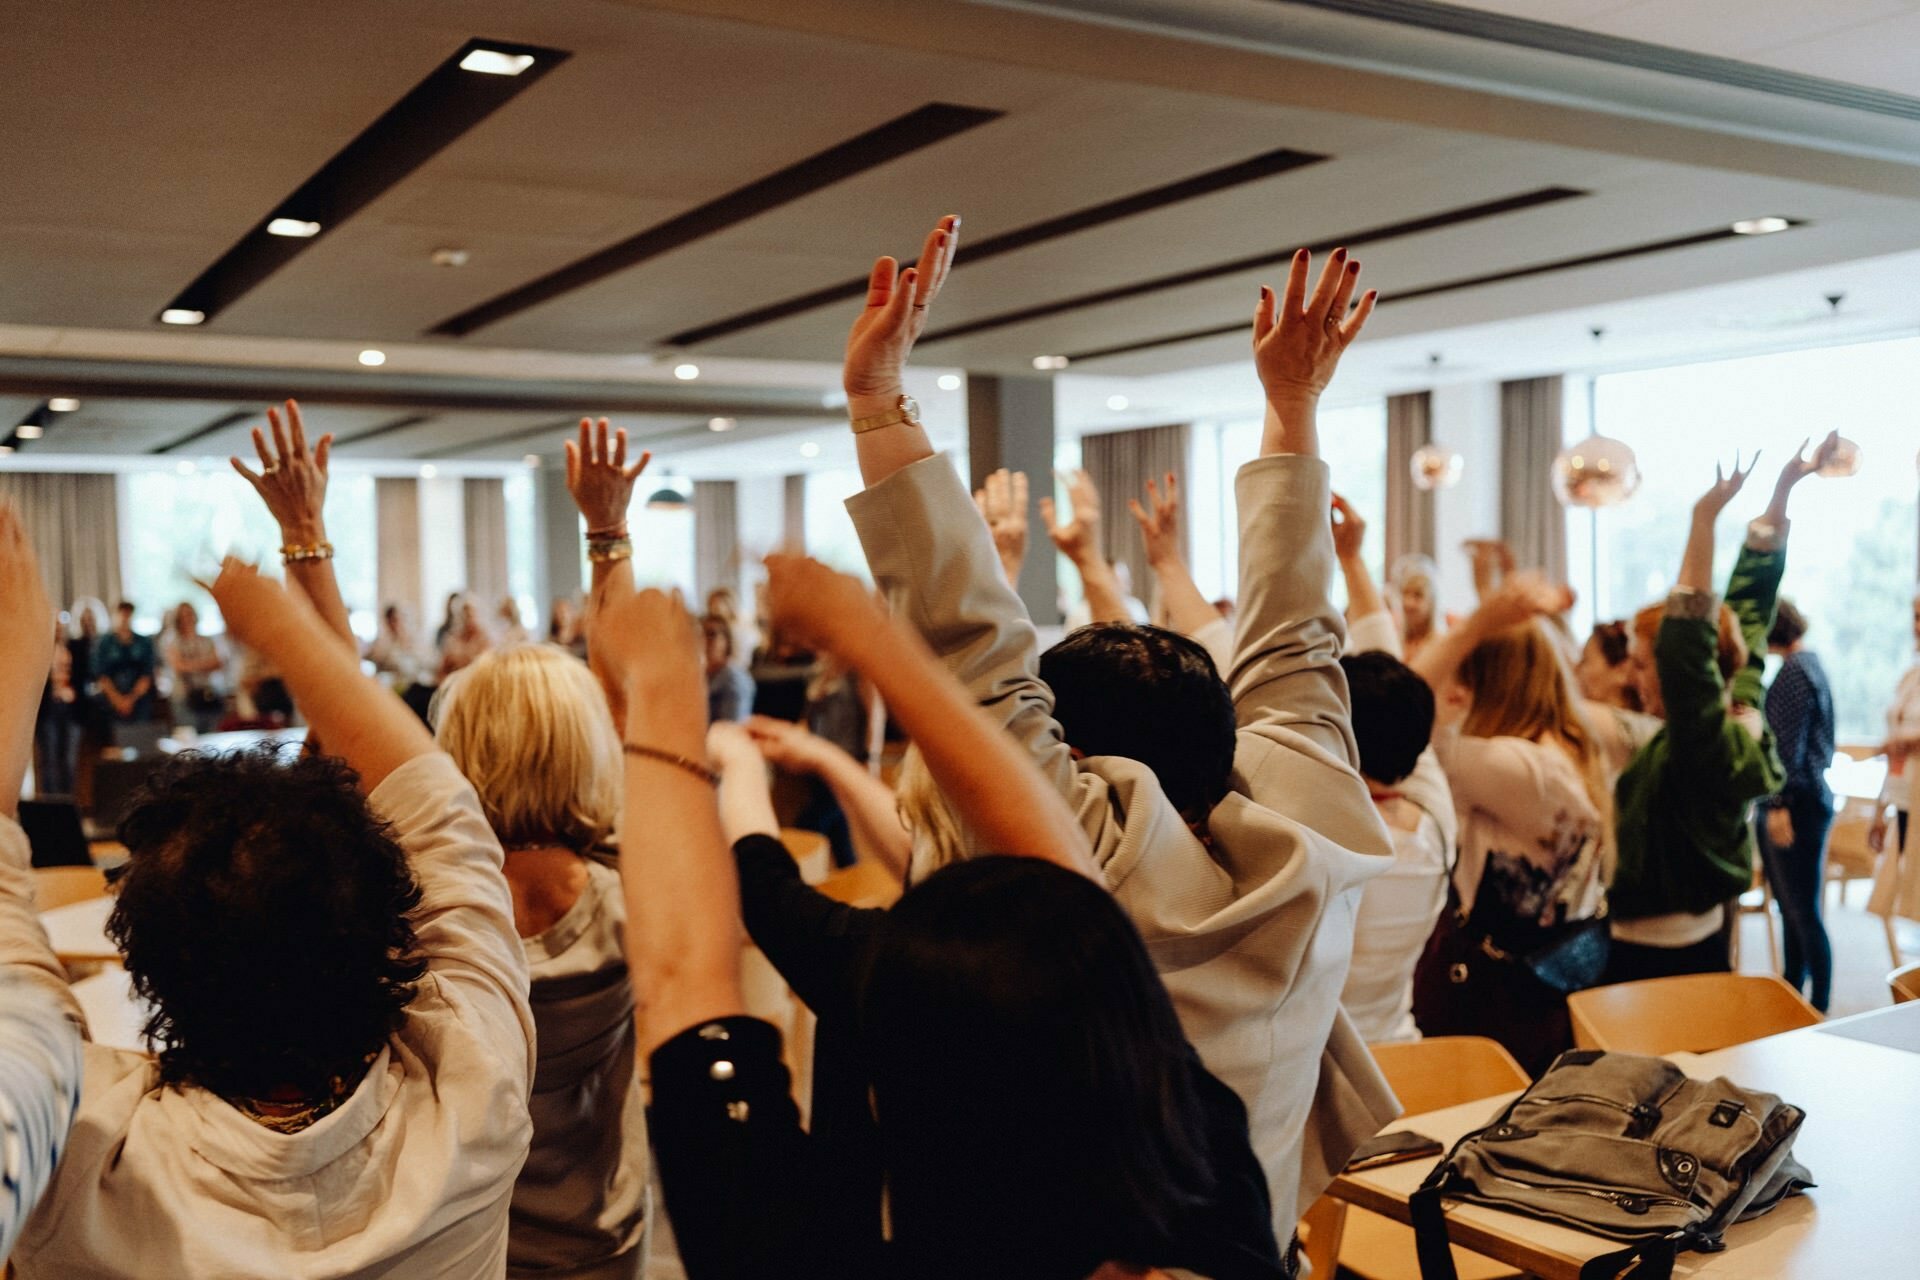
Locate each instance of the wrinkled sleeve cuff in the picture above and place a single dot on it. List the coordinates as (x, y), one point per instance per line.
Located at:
(1764, 535)
(1694, 606)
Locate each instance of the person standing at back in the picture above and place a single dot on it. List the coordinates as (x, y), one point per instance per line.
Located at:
(1791, 827)
(124, 662)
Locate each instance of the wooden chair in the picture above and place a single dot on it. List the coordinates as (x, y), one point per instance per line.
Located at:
(1693, 1013)
(64, 886)
(1849, 857)
(1904, 982)
(811, 850)
(1426, 1075)
(864, 884)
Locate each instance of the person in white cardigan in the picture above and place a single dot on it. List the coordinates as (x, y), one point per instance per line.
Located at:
(1244, 884)
(225, 1155)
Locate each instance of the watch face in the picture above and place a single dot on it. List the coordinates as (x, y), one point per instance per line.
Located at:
(910, 407)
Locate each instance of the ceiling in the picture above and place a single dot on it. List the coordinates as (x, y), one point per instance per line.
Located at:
(1469, 172)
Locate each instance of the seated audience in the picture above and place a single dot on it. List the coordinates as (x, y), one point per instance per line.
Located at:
(1791, 827)
(564, 627)
(396, 652)
(1523, 924)
(198, 670)
(511, 631)
(466, 641)
(1205, 804)
(338, 996)
(124, 664)
(729, 688)
(1903, 751)
(1039, 1111)
(1393, 724)
(1684, 800)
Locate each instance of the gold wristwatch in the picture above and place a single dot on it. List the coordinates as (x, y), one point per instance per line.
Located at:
(907, 409)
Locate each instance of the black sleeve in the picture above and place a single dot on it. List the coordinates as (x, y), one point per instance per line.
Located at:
(817, 944)
(737, 1171)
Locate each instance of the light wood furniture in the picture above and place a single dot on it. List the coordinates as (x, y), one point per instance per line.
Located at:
(864, 884)
(62, 886)
(811, 850)
(1426, 1075)
(1858, 1079)
(1694, 1013)
(1904, 982)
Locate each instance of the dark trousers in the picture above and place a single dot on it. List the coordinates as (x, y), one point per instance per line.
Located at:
(57, 750)
(1796, 873)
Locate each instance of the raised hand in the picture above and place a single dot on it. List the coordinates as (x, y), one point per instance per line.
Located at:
(785, 744)
(1798, 468)
(1349, 530)
(1520, 599)
(255, 607)
(292, 479)
(1298, 340)
(1159, 520)
(1003, 505)
(820, 607)
(599, 478)
(893, 319)
(26, 642)
(1078, 538)
(1727, 485)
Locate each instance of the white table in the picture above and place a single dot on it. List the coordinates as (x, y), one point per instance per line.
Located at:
(1861, 1140)
(78, 931)
(115, 1014)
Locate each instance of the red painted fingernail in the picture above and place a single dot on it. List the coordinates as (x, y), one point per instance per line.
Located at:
(1339, 254)
(1299, 253)
(1353, 266)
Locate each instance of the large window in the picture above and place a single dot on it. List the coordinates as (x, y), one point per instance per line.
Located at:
(176, 527)
(1851, 564)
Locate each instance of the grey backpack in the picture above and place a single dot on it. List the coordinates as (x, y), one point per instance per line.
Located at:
(1622, 1146)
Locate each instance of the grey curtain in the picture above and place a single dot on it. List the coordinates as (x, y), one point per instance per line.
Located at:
(795, 513)
(1531, 519)
(716, 535)
(74, 523)
(1120, 463)
(396, 529)
(1409, 514)
(486, 520)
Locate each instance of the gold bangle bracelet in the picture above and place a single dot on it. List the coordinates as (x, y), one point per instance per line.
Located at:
(610, 551)
(294, 553)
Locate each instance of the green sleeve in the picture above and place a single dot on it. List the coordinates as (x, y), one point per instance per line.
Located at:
(1685, 656)
(1752, 593)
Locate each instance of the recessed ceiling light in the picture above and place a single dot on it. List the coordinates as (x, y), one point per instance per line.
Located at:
(809, 450)
(1116, 403)
(492, 62)
(1050, 362)
(429, 471)
(721, 424)
(449, 257)
(293, 228)
(686, 372)
(29, 431)
(1760, 226)
(373, 359)
(182, 315)
(949, 382)
(532, 459)
(185, 468)
(63, 404)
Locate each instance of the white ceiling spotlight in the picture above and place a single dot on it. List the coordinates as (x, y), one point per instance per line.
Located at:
(63, 404)
(721, 424)
(373, 359)
(1117, 403)
(29, 431)
(1050, 362)
(948, 382)
(1760, 226)
(293, 228)
(493, 62)
(182, 315)
(809, 450)
(686, 371)
(449, 257)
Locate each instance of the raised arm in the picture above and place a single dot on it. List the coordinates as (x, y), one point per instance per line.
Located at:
(601, 483)
(893, 319)
(1078, 539)
(1188, 612)
(292, 481)
(1349, 542)
(1520, 599)
(990, 780)
(873, 812)
(360, 721)
(1003, 505)
(1297, 342)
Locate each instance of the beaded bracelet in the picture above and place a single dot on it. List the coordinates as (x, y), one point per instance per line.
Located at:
(701, 771)
(293, 553)
(609, 550)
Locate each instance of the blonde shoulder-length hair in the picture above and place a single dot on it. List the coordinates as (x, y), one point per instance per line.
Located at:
(529, 727)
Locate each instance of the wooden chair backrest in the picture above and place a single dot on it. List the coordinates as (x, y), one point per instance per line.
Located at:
(1904, 982)
(64, 886)
(1444, 1071)
(1693, 1013)
(864, 884)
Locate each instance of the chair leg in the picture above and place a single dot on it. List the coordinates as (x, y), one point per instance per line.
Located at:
(1325, 1223)
(1893, 940)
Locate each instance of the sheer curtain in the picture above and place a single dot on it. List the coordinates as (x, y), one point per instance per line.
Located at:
(716, 536)
(486, 517)
(1531, 518)
(1120, 464)
(1409, 513)
(74, 523)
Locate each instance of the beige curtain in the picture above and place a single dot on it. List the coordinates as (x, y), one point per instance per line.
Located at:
(795, 513)
(1409, 514)
(1120, 463)
(1531, 519)
(716, 535)
(74, 524)
(486, 508)
(396, 527)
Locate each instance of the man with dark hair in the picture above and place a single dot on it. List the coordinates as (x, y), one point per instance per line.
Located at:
(344, 1044)
(1244, 886)
(124, 662)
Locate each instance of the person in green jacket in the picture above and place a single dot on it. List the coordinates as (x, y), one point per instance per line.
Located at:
(1685, 847)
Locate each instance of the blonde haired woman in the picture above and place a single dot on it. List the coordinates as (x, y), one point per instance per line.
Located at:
(529, 727)
(1530, 789)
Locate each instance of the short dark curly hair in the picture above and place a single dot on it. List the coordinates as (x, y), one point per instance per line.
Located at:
(265, 914)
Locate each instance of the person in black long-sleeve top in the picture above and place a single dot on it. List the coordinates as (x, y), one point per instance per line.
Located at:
(1039, 1113)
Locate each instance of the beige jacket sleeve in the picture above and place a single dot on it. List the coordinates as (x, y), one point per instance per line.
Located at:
(25, 953)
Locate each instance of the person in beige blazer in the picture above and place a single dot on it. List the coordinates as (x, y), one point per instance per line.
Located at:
(1247, 907)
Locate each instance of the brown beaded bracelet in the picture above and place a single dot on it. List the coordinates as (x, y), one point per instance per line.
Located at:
(704, 772)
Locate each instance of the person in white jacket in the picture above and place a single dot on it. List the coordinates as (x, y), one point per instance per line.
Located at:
(1229, 820)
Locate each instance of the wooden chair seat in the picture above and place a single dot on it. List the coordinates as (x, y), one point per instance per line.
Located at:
(1693, 1013)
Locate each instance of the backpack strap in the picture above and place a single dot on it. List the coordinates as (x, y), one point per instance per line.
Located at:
(1430, 1227)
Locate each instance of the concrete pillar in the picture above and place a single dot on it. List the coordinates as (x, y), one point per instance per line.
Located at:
(1010, 424)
